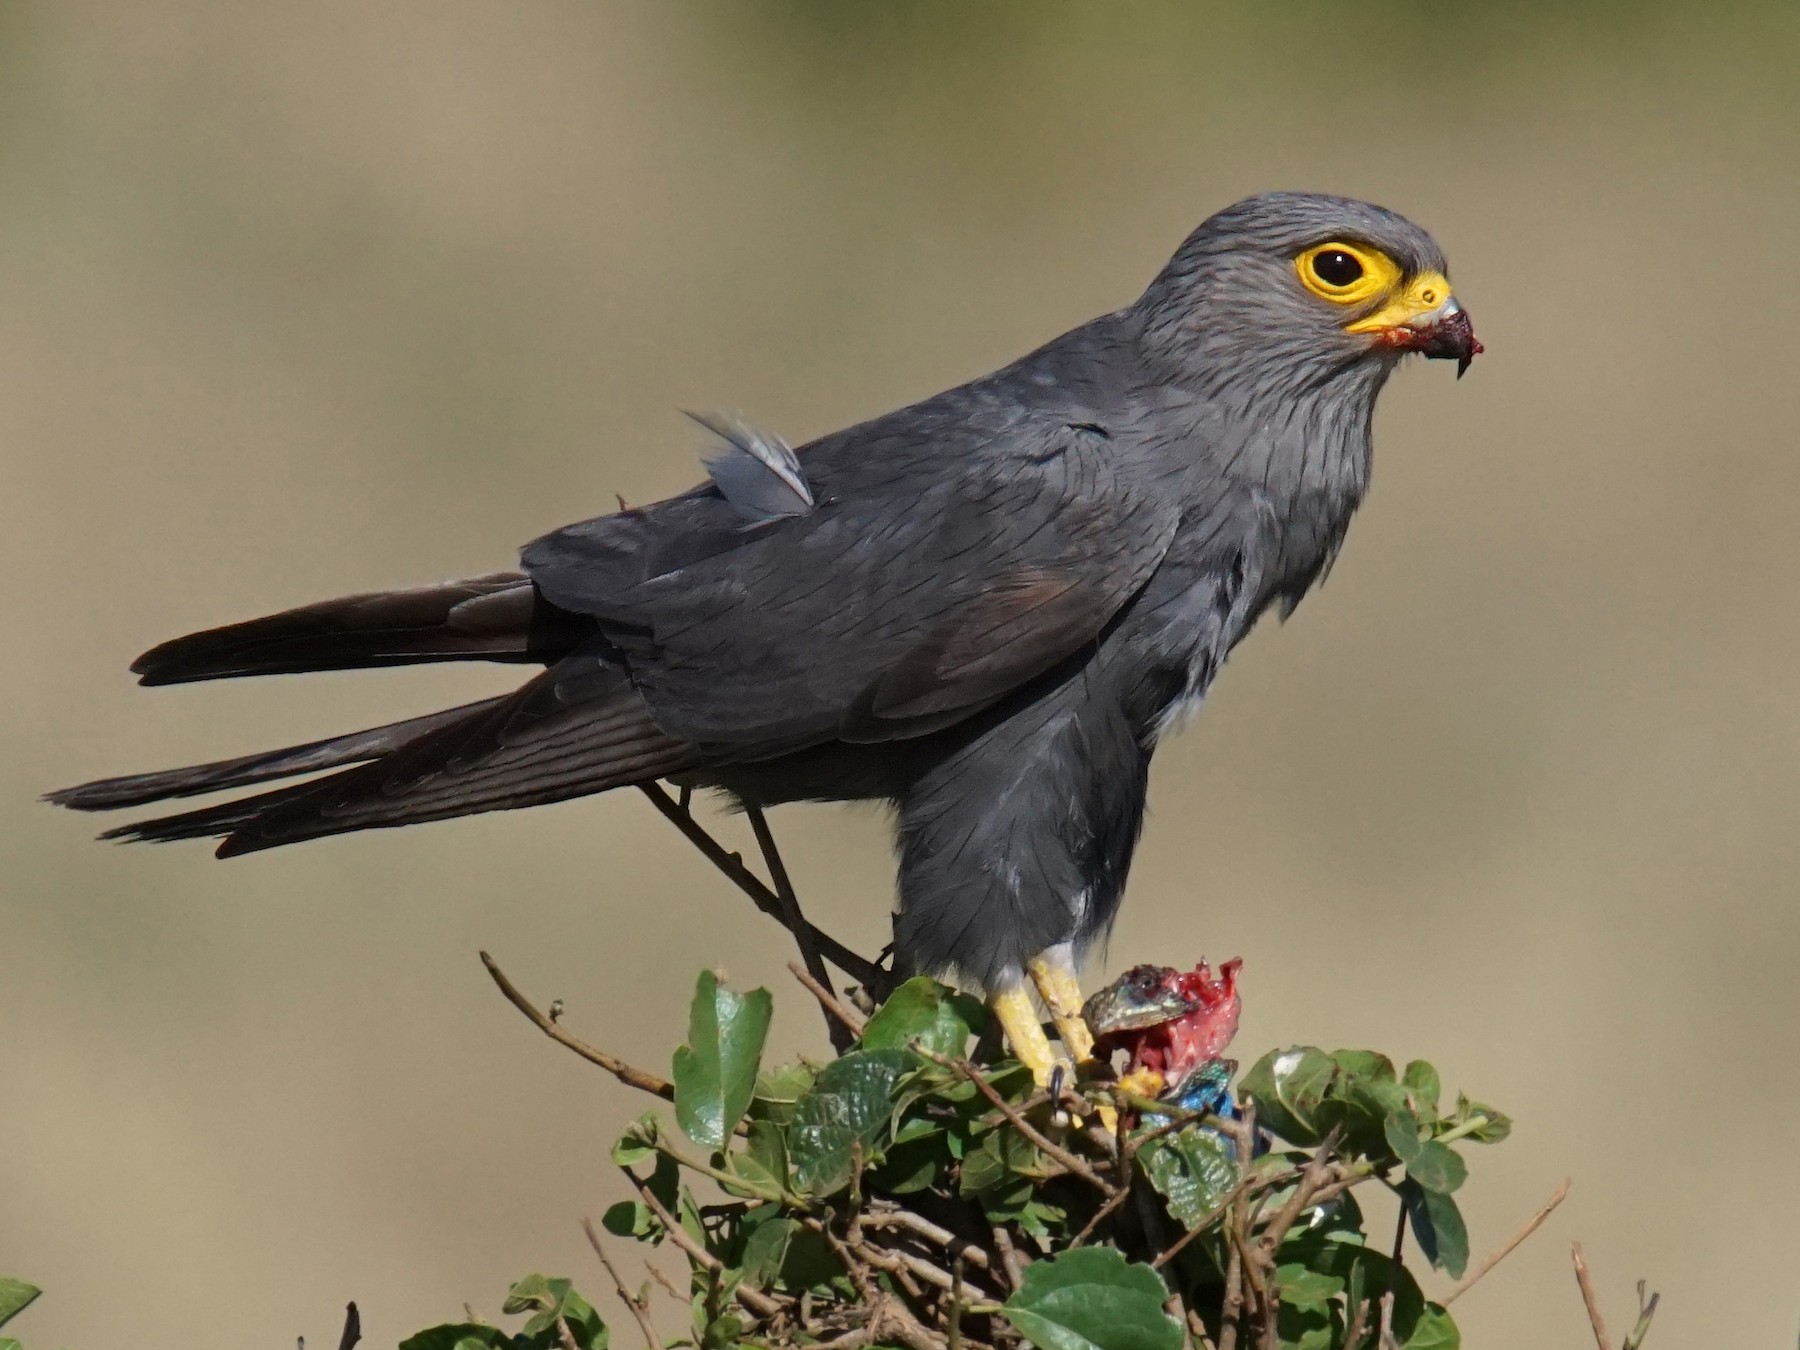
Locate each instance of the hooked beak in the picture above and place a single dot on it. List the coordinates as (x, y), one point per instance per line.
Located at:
(1426, 319)
(1442, 334)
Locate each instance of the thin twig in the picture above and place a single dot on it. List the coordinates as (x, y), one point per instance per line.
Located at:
(627, 1074)
(1506, 1249)
(1105, 1212)
(1061, 1156)
(1359, 1324)
(833, 1005)
(1231, 1311)
(857, 967)
(1012, 1260)
(791, 915)
(668, 1285)
(894, 1262)
(759, 1303)
(1595, 1320)
(883, 1310)
(638, 1310)
(931, 1232)
(353, 1327)
(1311, 1179)
(1646, 1311)
(953, 1323)
(1387, 1296)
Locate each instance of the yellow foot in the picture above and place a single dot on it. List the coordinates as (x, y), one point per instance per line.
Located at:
(1143, 1083)
(1019, 1020)
(1054, 975)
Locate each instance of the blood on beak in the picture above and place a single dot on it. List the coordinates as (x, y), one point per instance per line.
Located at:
(1443, 334)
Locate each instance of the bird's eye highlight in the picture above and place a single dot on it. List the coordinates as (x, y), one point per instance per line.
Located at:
(1346, 273)
(1335, 267)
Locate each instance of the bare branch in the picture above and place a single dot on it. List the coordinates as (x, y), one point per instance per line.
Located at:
(1587, 1296)
(638, 1310)
(352, 1327)
(1311, 1179)
(1061, 1156)
(618, 1068)
(755, 1300)
(792, 917)
(1506, 1249)
(896, 1217)
(1012, 1260)
(851, 1020)
(859, 968)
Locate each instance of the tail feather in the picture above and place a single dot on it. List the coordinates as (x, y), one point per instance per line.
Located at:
(498, 617)
(140, 789)
(578, 728)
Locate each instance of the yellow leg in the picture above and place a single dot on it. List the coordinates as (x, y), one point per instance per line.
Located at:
(1053, 972)
(1019, 1020)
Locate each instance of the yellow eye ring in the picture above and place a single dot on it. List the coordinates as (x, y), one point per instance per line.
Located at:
(1346, 273)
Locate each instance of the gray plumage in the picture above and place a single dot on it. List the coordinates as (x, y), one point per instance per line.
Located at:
(986, 608)
(756, 471)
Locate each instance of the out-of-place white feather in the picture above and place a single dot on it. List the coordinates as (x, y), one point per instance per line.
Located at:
(755, 470)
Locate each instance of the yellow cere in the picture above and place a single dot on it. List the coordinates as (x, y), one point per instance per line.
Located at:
(1423, 295)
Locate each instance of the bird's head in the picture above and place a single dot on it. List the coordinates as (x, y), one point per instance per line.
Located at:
(1303, 286)
(1169, 1021)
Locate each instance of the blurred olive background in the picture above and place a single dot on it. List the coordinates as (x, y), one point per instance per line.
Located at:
(303, 299)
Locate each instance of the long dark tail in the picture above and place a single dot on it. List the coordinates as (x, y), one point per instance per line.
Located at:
(578, 728)
(140, 789)
(499, 617)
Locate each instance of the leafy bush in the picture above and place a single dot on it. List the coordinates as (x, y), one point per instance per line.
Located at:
(920, 1190)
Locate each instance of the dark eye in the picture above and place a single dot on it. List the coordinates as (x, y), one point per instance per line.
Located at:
(1334, 267)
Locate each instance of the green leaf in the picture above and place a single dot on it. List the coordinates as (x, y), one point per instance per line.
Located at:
(1305, 1288)
(554, 1304)
(715, 1072)
(723, 1331)
(1364, 1064)
(8, 1343)
(1438, 1167)
(1377, 1274)
(15, 1297)
(533, 1292)
(1288, 1086)
(630, 1218)
(1498, 1124)
(777, 1089)
(1304, 1328)
(998, 1163)
(763, 1164)
(1193, 1169)
(1433, 1331)
(1401, 1130)
(849, 1105)
(638, 1142)
(923, 1010)
(914, 1162)
(1438, 1225)
(1092, 1298)
(1421, 1080)
(766, 1248)
(458, 1336)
